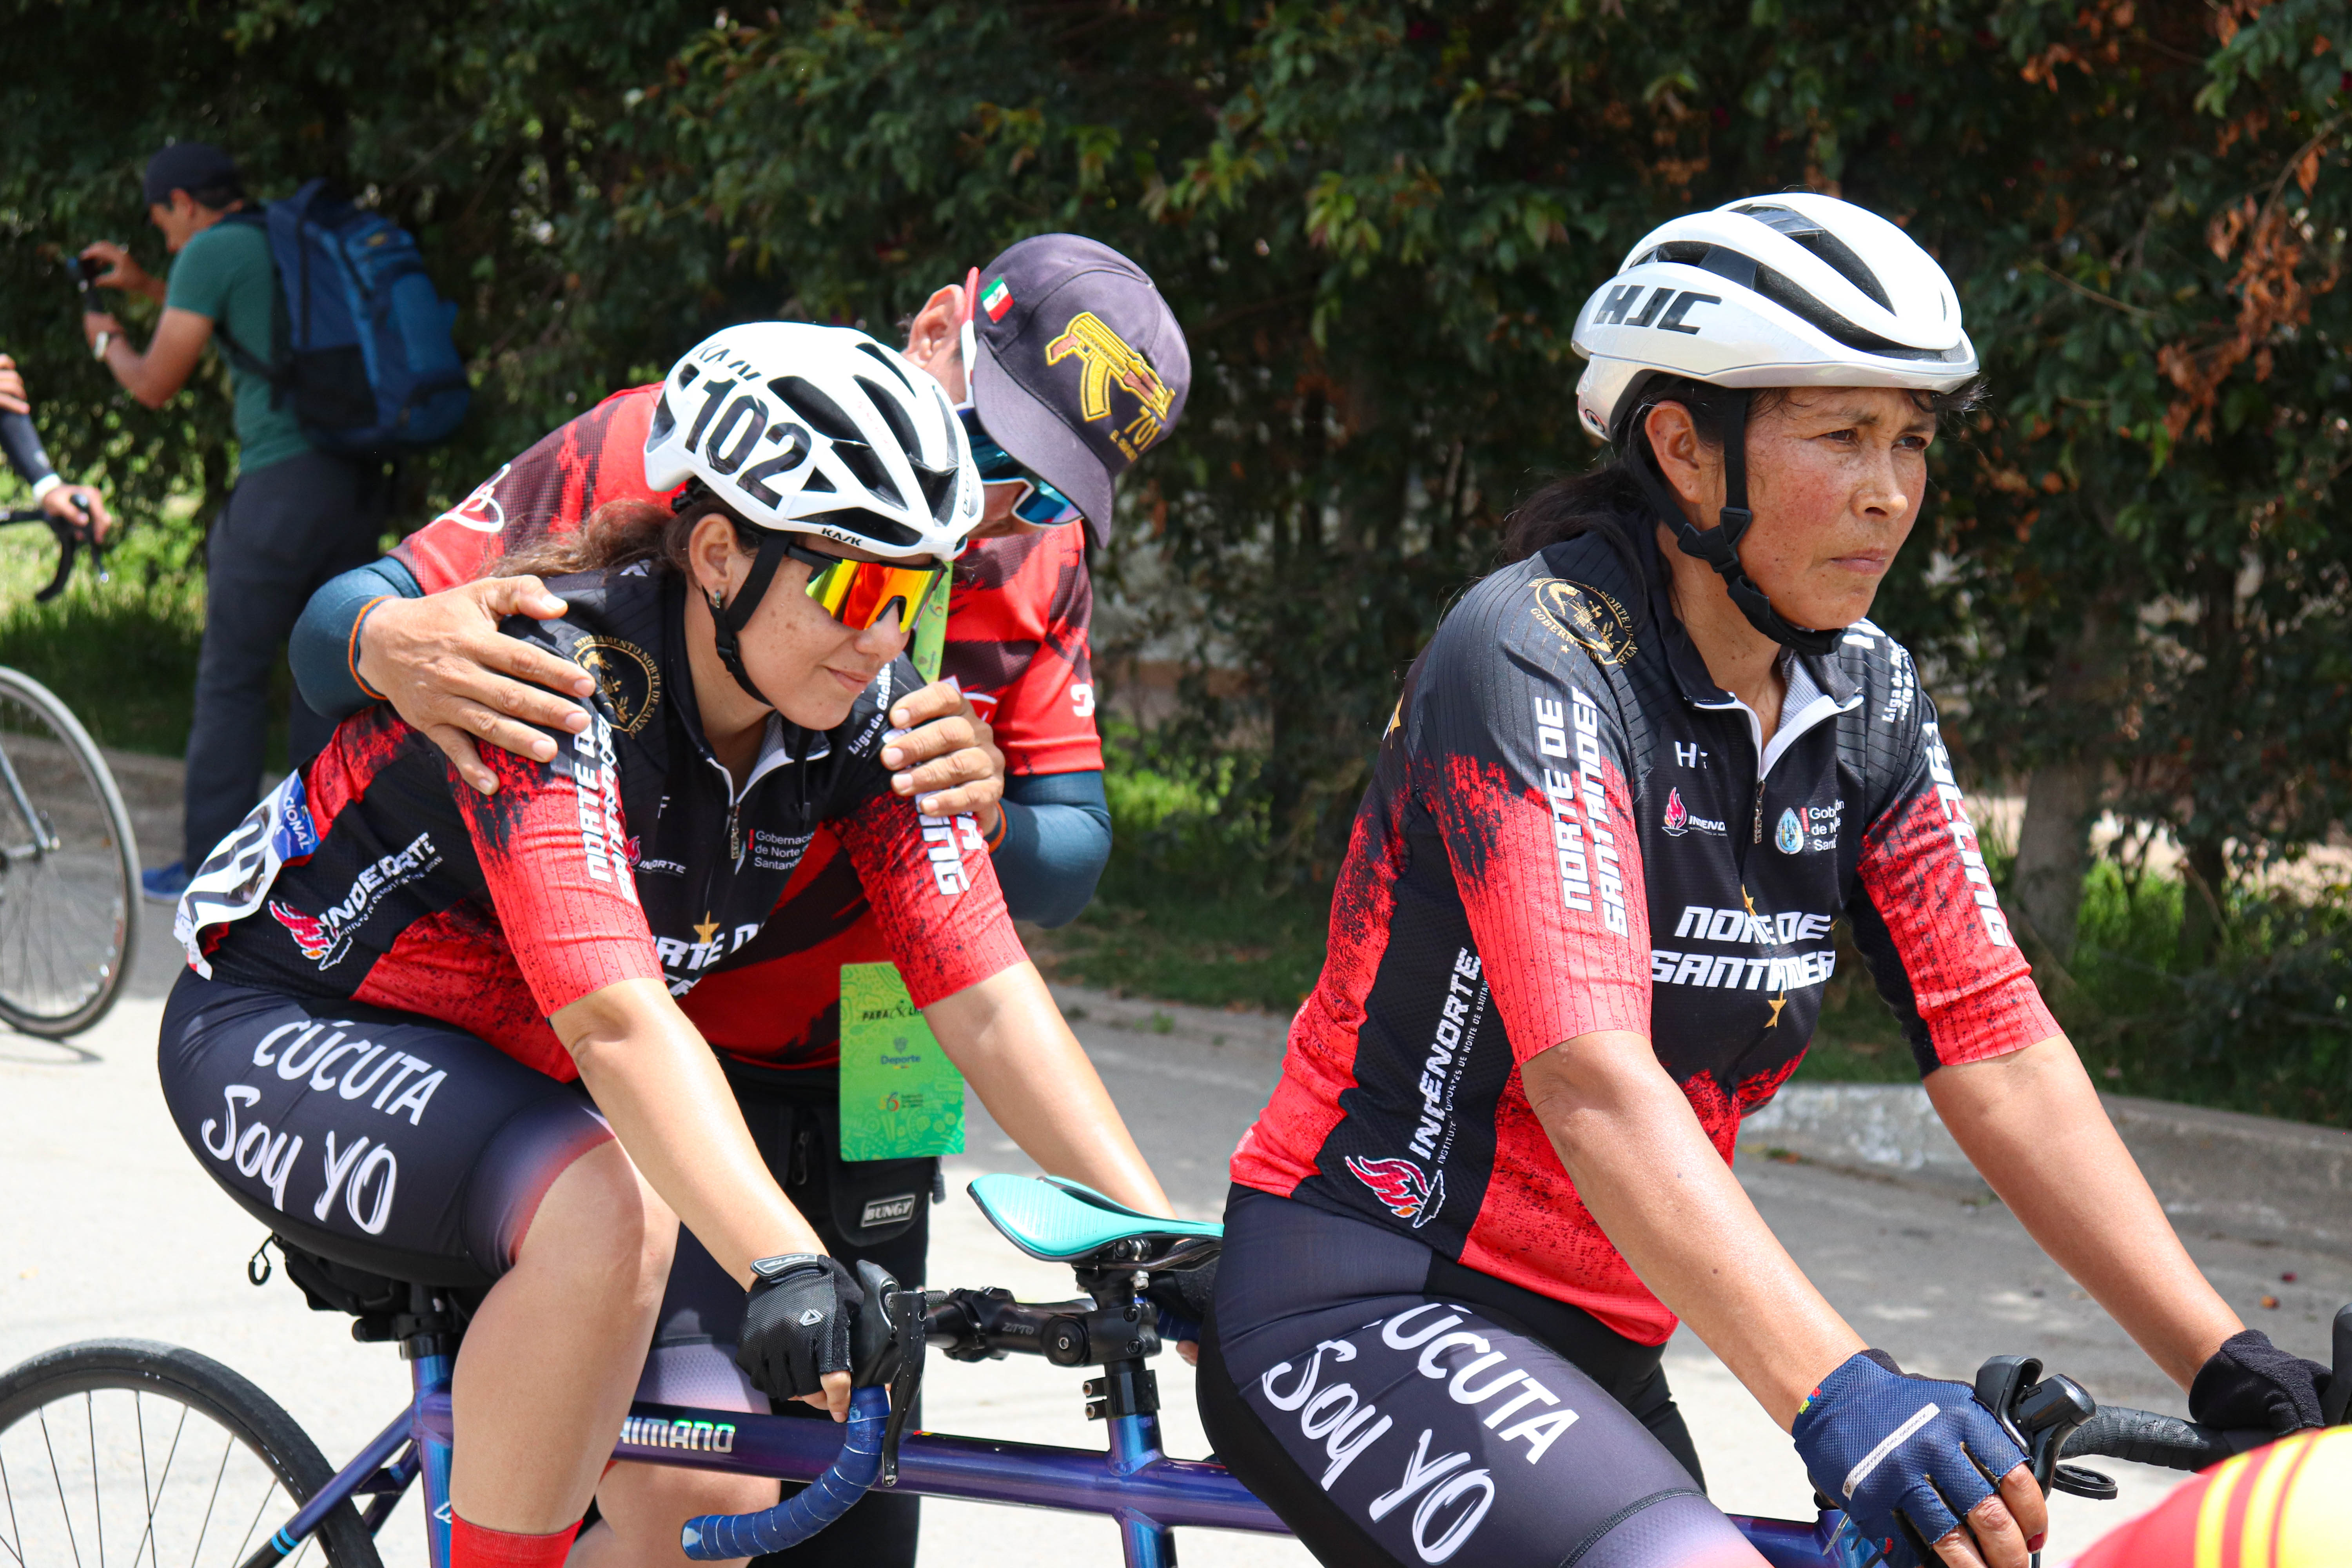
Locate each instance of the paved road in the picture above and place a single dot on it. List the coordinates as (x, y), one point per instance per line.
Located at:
(107, 1227)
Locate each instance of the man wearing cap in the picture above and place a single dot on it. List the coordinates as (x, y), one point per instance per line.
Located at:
(295, 517)
(1067, 366)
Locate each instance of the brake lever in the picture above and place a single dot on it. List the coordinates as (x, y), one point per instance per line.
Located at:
(906, 1311)
(72, 539)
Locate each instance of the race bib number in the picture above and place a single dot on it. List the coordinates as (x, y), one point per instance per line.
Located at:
(901, 1099)
(235, 876)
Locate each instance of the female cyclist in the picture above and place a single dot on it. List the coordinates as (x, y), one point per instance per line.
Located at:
(1583, 927)
(432, 1033)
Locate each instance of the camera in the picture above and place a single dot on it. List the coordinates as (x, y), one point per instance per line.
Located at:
(84, 271)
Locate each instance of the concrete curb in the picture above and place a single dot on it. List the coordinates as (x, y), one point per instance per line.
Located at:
(2219, 1172)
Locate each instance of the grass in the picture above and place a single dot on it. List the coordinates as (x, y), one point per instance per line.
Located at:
(1187, 911)
(121, 653)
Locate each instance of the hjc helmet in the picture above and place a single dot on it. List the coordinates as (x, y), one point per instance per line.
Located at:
(1795, 290)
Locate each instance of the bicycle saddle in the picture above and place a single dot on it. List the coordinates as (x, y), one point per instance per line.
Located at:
(1070, 1222)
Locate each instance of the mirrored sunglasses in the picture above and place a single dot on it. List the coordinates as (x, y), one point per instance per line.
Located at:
(858, 593)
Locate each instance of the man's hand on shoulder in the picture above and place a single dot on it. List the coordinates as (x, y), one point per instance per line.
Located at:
(947, 763)
(446, 668)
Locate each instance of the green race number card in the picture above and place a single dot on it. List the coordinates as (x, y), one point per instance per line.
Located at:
(901, 1099)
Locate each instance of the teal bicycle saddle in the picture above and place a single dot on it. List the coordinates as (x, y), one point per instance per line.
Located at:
(1068, 1222)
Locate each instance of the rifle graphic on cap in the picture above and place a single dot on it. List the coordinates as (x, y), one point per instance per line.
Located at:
(1107, 358)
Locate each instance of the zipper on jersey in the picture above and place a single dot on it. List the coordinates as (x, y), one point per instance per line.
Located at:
(1758, 837)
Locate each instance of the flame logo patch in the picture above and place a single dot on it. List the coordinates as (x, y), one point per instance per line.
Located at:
(1401, 1187)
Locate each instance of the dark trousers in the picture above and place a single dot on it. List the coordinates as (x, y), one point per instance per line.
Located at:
(285, 530)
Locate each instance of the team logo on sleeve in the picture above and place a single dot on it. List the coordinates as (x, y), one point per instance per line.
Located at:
(1401, 1187)
(1583, 617)
(626, 676)
(480, 511)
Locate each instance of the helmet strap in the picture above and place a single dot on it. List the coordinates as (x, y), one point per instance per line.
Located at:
(1720, 546)
(729, 618)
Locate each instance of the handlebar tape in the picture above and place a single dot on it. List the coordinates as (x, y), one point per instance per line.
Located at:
(716, 1537)
(2146, 1437)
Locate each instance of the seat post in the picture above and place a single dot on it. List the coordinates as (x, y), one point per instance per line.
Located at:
(428, 1343)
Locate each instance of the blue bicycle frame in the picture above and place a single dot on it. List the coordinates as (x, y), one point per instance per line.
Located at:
(1149, 1494)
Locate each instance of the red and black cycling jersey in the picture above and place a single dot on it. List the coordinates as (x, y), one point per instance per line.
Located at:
(1570, 829)
(376, 874)
(1017, 628)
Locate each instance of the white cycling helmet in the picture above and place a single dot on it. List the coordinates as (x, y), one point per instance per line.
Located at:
(818, 430)
(1781, 290)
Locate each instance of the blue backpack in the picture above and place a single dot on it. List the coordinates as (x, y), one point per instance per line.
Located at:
(363, 344)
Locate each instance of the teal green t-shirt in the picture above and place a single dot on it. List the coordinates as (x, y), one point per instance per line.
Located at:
(224, 274)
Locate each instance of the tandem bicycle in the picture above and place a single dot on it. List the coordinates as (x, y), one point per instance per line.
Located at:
(137, 1453)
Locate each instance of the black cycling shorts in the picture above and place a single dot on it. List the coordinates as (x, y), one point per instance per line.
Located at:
(1394, 1407)
(381, 1140)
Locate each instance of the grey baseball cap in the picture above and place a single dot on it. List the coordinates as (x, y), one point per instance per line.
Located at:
(1078, 367)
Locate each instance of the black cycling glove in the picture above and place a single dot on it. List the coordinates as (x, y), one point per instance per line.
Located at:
(796, 1323)
(1182, 1297)
(2250, 1382)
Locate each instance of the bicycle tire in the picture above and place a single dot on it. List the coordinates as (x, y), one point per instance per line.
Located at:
(69, 919)
(172, 1376)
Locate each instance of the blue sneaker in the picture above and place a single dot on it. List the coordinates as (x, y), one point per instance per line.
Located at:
(164, 884)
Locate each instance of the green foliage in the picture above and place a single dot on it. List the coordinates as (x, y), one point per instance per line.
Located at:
(2265, 1028)
(121, 653)
(1189, 909)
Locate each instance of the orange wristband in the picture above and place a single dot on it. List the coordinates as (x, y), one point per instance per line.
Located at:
(351, 654)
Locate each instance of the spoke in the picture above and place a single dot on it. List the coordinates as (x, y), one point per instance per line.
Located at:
(8, 1489)
(256, 1521)
(97, 1509)
(147, 1542)
(227, 1443)
(58, 1477)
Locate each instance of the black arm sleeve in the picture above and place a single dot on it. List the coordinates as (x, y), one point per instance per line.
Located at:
(23, 445)
(321, 648)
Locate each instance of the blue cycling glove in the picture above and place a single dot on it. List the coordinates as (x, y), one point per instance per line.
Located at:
(1906, 1457)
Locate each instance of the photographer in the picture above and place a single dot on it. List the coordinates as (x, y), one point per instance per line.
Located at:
(77, 504)
(288, 525)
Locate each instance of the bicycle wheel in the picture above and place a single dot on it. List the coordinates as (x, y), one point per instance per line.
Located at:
(143, 1455)
(69, 867)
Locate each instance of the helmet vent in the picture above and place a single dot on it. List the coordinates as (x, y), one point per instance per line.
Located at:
(867, 464)
(939, 490)
(1840, 256)
(665, 421)
(894, 413)
(875, 352)
(803, 398)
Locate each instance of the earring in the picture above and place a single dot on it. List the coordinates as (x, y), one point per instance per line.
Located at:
(717, 604)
